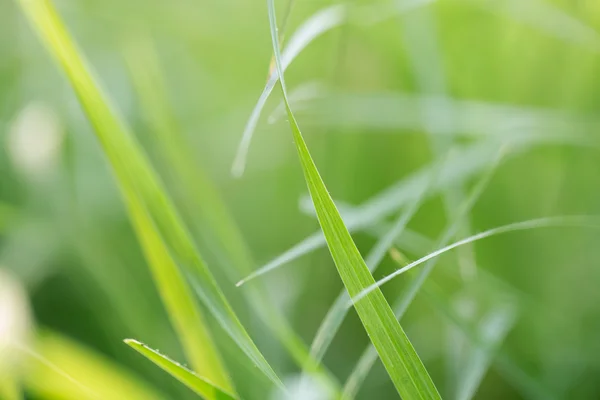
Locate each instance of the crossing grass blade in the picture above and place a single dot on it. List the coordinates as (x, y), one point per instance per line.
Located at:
(319, 23)
(192, 330)
(202, 199)
(404, 366)
(337, 312)
(369, 356)
(199, 385)
(586, 221)
(149, 206)
(459, 167)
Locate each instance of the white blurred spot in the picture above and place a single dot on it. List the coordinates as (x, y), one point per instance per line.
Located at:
(301, 388)
(34, 139)
(14, 320)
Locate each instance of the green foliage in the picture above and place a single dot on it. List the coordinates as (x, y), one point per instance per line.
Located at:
(488, 267)
(198, 384)
(158, 226)
(397, 353)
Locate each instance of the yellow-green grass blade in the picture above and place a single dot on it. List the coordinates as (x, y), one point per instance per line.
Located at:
(184, 313)
(9, 387)
(404, 366)
(59, 368)
(139, 182)
(197, 383)
(202, 199)
(188, 320)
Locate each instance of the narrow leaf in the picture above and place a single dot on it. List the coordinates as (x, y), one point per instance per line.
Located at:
(198, 384)
(399, 357)
(369, 356)
(337, 312)
(59, 368)
(559, 221)
(321, 22)
(202, 200)
(458, 168)
(144, 192)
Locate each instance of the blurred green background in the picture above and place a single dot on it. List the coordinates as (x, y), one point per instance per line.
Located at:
(396, 87)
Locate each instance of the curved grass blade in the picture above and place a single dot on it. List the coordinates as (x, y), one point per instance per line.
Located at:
(560, 221)
(204, 203)
(198, 384)
(458, 168)
(315, 26)
(369, 356)
(321, 22)
(399, 357)
(142, 189)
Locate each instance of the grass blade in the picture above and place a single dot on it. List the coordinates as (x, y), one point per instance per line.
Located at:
(191, 330)
(315, 26)
(147, 200)
(492, 329)
(460, 166)
(560, 221)
(337, 312)
(529, 387)
(369, 356)
(399, 357)
(198, 384)
(59, 368)
(202, 199)
(469, 118)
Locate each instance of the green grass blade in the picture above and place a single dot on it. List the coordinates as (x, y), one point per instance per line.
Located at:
(321, 22)
(141, 187)
(528, 386)
(399, 357)
(369, 356)
(183, 311)
(315, 26)
(198, 384)
(458, 168)
(59, 368)
(470, 118)
(175, 293)
(202, 199)
(559, 221)
(337, 312)
(9, 387)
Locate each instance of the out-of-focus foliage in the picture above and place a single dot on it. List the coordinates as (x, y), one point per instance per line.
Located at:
(388, 95)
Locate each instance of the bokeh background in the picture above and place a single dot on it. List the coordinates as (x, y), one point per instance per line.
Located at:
(395, 88)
